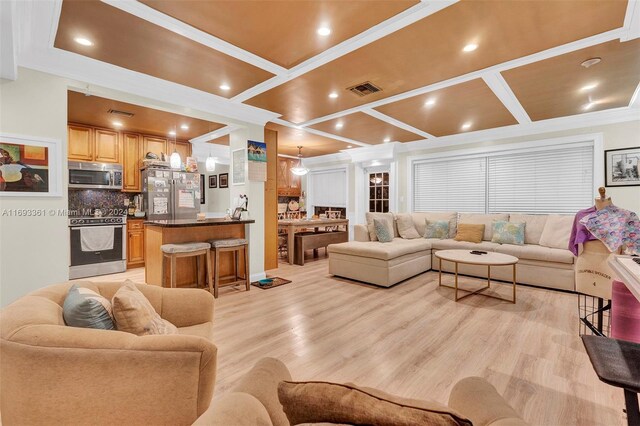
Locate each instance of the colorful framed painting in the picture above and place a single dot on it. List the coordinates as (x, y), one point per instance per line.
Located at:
(213, 181)
(622, 167)
(257, 151)
(224, 180)
(30, 166)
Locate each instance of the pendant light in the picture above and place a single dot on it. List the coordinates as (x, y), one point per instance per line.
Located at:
(299, 170)
(175, 161)
(210, 164)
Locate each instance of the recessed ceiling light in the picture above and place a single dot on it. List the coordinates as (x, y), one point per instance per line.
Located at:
(387, 140)
(349, 146)
(324, 31)
(339, 126)
(430, 102)
(184, 127)
(588, 106)
(589, 87)
(117, 124)
(224, 87)
(333, 95)
(591, 62)
(83, 41)
(466, 125)
(172, 133)
(470, 47)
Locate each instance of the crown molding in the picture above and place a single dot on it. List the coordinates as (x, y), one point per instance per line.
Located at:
(322, 160)
(632, 21)
(501, 89)
(319, 133)
(375, 153)
(215, 134)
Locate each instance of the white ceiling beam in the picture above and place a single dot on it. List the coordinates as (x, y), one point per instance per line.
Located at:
(319, 133)
(174, 25)
(501, 89)
(525, 60)
(632, 21)
(8, 41)
(397, 123)
(215, 134)
(635, 99)
(391, 25)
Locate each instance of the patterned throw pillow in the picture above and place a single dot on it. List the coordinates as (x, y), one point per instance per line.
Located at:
(437, 229)
(382, 231)
(85, 308)
(508, 232)
(135, 314)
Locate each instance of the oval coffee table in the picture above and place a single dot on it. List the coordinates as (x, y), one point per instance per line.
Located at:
(488, 259)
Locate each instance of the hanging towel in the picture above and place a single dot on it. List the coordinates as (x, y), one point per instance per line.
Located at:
(615, 227)
(96, 238)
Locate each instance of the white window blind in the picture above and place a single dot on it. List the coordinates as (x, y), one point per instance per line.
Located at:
(328, 188)
(455, 184)
(549, 181)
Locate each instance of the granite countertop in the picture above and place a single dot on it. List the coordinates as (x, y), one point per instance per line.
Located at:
(176, 223)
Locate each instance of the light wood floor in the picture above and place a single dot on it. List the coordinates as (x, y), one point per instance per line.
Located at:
(415, 341)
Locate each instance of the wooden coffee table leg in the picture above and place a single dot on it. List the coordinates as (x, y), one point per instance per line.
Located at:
(456, 281)
(514, 283)
(440, 273)
(488, 275)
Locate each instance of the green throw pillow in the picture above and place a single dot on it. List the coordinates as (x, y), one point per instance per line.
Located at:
(437, 229)
(85, 308)
(382, 231)
(508, 232)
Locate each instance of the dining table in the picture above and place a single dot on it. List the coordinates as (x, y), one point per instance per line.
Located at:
(296, 225)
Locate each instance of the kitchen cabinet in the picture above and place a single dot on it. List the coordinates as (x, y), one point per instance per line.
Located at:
(183, 148)
(107, 146)
(131, 155)
(288, 183)
(80, 143)
(155, 145)
(135, 243)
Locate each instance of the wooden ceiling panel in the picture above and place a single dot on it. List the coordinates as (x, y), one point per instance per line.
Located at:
(365, 128)
(312, 145)
(559, 86)
(283, 32)
(450, 108)
(222, 140)
(122, 39)
(93, 111)
(430, 50)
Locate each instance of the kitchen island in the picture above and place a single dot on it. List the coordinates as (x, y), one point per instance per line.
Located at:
(159, 232)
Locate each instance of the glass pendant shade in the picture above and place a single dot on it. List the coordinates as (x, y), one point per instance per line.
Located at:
(210, 164)
(299, 170)
(175, 160)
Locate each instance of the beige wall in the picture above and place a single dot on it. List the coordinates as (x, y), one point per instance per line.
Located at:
(34, 251)
(217, 198)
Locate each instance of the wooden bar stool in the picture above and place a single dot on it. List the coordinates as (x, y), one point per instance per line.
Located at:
(175, 251)
(230, 245)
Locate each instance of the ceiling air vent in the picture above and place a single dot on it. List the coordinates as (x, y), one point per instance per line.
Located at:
(122, 113)
(364, 89)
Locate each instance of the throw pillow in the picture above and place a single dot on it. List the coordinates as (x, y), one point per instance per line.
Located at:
(382, 231)
(323, 402)
(556, 231)
(135, 314)
(470, 232)
(85, 308)
(388, 217)
(436, 229)
(406, 228)
(508, 232)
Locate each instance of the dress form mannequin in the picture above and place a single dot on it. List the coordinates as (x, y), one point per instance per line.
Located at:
(603, 201)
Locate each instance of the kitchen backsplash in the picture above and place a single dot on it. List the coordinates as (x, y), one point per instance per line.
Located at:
(81, 200)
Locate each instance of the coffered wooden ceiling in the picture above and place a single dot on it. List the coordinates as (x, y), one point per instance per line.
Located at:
(402, 46)
(450, 108)
(222, 140)
(560, 86)
(312, 145)
(284, 32)
(93, 111)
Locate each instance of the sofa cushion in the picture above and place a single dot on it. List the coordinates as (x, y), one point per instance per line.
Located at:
(557, 231)
(484, 219)
(508, 232)
(84, 307)
(387, 217)
(204, 330)
(451, 244)
(534, 224)
(317, 402)
(406, 228)
(377, 250)
(437, 229)
(536, 252)
(383, 233)
(419, 219)
(470, 232)
(135, 314)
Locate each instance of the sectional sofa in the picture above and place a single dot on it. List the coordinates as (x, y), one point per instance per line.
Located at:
(544, 258)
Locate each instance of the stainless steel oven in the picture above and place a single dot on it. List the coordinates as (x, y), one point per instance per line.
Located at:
(98, 246)
(95, 175)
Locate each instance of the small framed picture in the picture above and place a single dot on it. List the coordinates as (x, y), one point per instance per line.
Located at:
(213, 181)
(224, 180)
(237, 213)
(622, 167)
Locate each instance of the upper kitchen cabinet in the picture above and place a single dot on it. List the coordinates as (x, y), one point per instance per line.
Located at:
(288, 183)
(80, 142)
(131, 155)
(184, 149)
(107, 148)
(154, 145)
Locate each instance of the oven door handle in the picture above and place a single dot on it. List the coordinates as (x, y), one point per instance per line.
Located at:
(77, 228)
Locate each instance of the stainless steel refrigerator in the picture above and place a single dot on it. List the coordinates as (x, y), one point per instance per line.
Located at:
(170, 194)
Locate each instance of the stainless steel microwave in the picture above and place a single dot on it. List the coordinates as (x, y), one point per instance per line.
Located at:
(95, 175)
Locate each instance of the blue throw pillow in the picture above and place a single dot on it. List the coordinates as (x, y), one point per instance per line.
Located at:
(508, 232)
(86, 308)
(437, 229)
(382, 231)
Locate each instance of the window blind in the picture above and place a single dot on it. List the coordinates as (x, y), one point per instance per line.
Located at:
(550, 181)
(455, 184)
(329, 188)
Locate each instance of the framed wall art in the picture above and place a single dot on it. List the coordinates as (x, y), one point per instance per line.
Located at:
(622, 167)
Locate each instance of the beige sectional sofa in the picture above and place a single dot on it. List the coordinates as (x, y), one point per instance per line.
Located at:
(550, 265)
